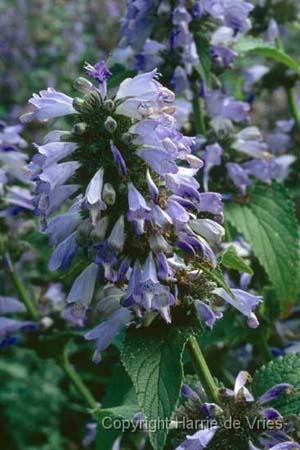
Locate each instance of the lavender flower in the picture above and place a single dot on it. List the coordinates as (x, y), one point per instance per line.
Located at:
(243, 301)
(199, 440)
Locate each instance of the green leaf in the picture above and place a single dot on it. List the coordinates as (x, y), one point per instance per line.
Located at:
(258, 46)
(268, 223)
(216, 275)
(250, 43)
(106, 432)
(285, 369)
(203, 50)
(152, 357)
(232, 260)
(126, 412)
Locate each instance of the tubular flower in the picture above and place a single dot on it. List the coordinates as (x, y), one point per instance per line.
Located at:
(123, 182)
(14, 178)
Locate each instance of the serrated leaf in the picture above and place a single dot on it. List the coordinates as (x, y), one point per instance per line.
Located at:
(258, 46)
(268, 223)
(232, 260)
(285, 369)
(203, 50)
(152, 357)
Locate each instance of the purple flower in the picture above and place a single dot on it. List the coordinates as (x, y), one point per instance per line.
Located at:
(243, 301)
(10, 305)
(199, 440)
(9, 326)
(142, 95)
(138, 208)
(250, 142)
(48, 105)
(118, 158)
(238, 176)
(275, 392)
(210, 202)
(206, 314)
(221, 107)
(82, 290)
(105, 333)
(150, 55)
(116, 238)
(289, 445)
(99, 72)
(209, 229)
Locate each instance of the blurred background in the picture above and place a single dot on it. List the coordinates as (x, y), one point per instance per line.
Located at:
(45, 43)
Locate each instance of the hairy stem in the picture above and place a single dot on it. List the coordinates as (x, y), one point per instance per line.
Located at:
(19, 287)
(77, 381)
(202, 370)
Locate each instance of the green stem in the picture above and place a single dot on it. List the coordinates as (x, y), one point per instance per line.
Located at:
(19, 287)
(202, 370)
(77, 381)
(198, 115)
(291, 94)
(264, 347)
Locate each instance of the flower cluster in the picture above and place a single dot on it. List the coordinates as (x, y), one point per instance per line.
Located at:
(254, 419)
(256, 157)
(174, 42)
(136, 212)
(154, 29)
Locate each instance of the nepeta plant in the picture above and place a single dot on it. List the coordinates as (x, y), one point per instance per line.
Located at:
(138, 214)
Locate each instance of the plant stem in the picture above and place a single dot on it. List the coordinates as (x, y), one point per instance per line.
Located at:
(291, 94)
(264, 348)
(202, 370)
(198, 115)
(19, 286)
(77, 381)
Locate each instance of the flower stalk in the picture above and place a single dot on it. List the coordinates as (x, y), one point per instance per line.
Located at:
(82, 389)
(202, 370)
(19, 286)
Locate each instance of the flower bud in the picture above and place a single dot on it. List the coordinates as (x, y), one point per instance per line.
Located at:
(83, 85)
(80, 128)
(117, 236)
(110, 124)
(78, 104)
(126, 138)
(99, 230)
(108, 194)
(109, 105)
(158, 244)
